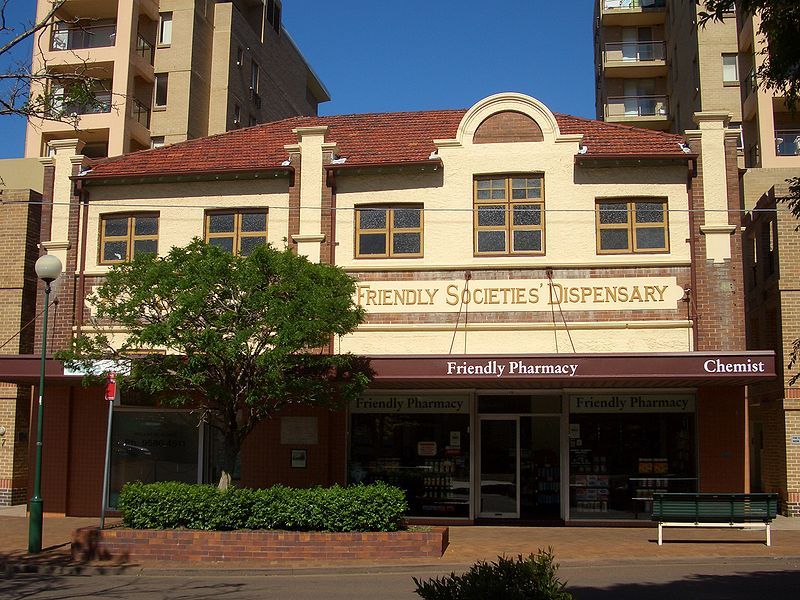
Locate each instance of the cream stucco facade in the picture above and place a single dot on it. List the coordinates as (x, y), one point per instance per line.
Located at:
(445, 190)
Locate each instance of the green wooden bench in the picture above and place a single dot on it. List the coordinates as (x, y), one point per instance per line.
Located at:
(738, 511)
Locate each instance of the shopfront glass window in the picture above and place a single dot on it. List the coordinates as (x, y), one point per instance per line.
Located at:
(623, 448)
(152, 446)
(418, 443)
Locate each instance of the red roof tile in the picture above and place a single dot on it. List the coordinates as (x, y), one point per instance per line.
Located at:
(363, 139)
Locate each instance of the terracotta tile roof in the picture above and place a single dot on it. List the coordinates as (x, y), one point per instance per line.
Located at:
(364, 139)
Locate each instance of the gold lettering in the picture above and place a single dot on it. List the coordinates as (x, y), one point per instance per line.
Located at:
(385, 297)
(660, 289)
(533, 296)
(636, 295)
(361, 289)
(555, 294)
(399, 297)
(431, 294)
(598, 294)
(649, 293)
(452, 294)
(372, 297)
(478, 296)
(622, 293)
(493, 293)
(585, 293)
(611, 294)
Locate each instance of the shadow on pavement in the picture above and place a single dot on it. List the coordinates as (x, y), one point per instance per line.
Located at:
(776, 585)
(52, 587)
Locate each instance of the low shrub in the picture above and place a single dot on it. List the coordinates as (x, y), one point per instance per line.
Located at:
(531, 578)
(173, 505)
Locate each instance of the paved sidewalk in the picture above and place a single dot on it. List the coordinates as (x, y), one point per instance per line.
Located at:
(467, 544)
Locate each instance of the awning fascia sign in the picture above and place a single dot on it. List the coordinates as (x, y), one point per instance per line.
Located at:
(717, 368)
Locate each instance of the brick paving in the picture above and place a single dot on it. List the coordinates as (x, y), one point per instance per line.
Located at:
(467, 544)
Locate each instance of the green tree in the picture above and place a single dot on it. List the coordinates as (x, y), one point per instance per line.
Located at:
(243, 336)
(41, 92)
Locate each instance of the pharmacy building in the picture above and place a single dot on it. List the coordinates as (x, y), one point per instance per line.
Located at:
(554, 306)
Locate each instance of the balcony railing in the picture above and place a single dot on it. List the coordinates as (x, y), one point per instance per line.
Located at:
(145, 49)
(750, 83)
(637, 106)
(632, 4)
(753, 156)
(140, 113)
(787, 142)
(76, 37)
(623, 52)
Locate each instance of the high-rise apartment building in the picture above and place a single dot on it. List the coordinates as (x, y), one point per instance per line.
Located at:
(170, 70)
(656, 68)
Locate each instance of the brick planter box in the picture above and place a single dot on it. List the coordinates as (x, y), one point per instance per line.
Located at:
(92, 543)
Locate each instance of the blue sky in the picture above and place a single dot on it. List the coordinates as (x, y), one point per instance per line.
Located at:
(377, 55)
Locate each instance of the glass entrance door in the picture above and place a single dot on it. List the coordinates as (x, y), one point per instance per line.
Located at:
(499, 467)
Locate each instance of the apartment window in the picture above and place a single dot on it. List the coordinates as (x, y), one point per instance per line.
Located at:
(124, 237)
(274, 15)
(625, 226)
(165, 29)
(237, 231)
(389, 231)
(239, 56)
(254, 70)
(740, 139)
(162, 81)
(253, 121)
(509, 215)
(730, 68)
(157, 141)
(237, 115)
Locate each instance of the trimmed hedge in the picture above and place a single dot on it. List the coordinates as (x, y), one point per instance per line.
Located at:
(173, 505)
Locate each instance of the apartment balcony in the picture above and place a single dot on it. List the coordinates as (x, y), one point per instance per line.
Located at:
(143, 58)
(651, 112)
(635, 59)
(139, 122)
(633, 12)
(70, 36)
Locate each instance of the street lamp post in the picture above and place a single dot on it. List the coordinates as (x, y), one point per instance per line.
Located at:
(48, 268)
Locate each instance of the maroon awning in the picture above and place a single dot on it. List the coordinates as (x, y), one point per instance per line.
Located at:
(674, 369)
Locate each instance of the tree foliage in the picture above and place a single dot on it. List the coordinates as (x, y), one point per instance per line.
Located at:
(237, 337)
(35, 90)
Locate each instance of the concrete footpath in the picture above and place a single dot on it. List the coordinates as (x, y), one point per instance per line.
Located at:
(571, 545)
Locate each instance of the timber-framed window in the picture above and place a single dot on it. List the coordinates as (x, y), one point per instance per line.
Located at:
(509, 214)
(125, 236)
(388, 231)
(237, 231)
(629, 226)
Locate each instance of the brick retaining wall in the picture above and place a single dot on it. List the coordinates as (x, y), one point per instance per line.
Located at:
(91, 543)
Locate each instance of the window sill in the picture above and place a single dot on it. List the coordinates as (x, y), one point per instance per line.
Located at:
(731, 84)
(159, 108)
(163, 46)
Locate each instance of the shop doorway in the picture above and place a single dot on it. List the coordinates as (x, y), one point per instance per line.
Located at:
(499, 490)
(519, 467)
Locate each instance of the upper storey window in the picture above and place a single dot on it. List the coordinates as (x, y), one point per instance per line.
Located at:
(165, 29)
(632, 226)
(509, 214)
(389, 231)
(123, 237)
(237, 231)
